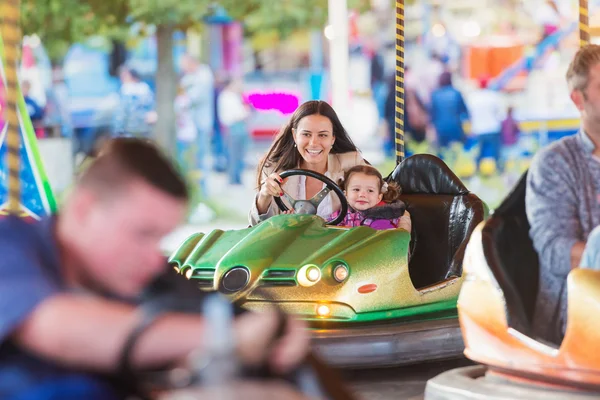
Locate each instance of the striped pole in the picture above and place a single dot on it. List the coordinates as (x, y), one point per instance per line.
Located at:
(11, 35)
(399, 120)
(584, 23)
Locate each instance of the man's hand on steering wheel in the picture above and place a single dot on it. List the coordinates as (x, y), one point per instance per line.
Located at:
(310, 206)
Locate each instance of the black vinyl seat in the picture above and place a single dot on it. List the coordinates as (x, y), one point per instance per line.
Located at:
(510, 254)
(444, 214)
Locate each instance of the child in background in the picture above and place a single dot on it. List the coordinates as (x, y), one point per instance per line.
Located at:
(372, 201)
(510, 136)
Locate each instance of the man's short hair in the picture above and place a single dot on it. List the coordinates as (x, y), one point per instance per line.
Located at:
(578, 73)
(122, 160)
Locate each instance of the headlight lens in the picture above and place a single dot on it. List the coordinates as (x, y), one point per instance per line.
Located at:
(313, 274)
(309, 275)
(188, 273)
(340, 273)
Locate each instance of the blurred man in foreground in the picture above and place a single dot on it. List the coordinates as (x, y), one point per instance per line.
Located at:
(67, 284)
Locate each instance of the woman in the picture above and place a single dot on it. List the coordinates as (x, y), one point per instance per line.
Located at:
(313, 139)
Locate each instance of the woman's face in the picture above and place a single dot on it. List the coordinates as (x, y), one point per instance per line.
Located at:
(314, 140)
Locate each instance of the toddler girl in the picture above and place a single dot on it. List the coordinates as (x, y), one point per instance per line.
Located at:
(372, 201)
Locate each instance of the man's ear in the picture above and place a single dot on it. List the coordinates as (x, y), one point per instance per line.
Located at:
(578, 99)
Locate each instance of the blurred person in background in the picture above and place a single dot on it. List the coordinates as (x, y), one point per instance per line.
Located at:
(234, 111)
(487, 112)
(58, 113)
(510, 132)
(448, 110)
(416, 118)
(219, 145)
(186, 130)
(135, 114)
(35, 111)
(198, 82)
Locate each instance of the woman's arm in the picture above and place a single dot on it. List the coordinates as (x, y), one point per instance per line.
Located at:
(405, 222)
(255, 216)
(263, 206)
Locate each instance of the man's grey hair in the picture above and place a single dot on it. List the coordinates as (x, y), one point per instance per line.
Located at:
(585, 59)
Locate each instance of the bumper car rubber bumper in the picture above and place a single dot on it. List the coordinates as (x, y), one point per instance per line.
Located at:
(389, 344)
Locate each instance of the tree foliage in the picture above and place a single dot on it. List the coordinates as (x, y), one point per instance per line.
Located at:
(62, 22)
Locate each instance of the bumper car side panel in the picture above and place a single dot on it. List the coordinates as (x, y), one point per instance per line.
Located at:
(583, 325)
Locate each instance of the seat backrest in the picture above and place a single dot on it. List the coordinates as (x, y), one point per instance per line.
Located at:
(444, 214)
(510, 254)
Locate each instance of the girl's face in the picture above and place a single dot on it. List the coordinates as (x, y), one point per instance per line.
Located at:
(314, 140)
(363, 191)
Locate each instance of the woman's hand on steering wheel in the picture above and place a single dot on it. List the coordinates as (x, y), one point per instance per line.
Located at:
(271, 187)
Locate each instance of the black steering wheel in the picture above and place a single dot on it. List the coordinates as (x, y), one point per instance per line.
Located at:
(310, 206)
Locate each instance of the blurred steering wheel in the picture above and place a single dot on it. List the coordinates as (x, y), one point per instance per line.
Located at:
(172, 293)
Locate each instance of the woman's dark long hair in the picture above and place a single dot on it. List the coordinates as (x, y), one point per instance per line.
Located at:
(282, 154)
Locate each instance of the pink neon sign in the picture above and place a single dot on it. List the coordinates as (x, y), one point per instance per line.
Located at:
(285, 103)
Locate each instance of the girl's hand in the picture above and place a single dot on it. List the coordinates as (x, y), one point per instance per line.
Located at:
(288, 212)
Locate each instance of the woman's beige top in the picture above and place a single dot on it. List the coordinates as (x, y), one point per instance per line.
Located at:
(337, 164)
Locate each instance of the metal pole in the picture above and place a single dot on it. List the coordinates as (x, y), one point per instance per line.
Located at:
(584, 23)
(11, 35)
(399, 120)
(338, 69)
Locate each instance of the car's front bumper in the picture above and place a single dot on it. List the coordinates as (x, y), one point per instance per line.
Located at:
(389, 344)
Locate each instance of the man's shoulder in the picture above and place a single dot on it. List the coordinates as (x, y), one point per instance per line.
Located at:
(561, 152)
(18, 235)
(11, 226)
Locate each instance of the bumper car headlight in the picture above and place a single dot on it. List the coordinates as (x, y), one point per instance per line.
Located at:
(309, 275)
(340, 273)
(313, 274)
(188, 273)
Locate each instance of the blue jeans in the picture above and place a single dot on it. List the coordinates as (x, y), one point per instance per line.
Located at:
(489, 146)
(193, 157)
(380, 92)
(238, 139)
(84, 140)
(218, 149)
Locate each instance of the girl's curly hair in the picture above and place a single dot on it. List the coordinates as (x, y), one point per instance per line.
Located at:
(391, 191)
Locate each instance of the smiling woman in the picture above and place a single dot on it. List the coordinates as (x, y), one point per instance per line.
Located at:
(313, 139)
